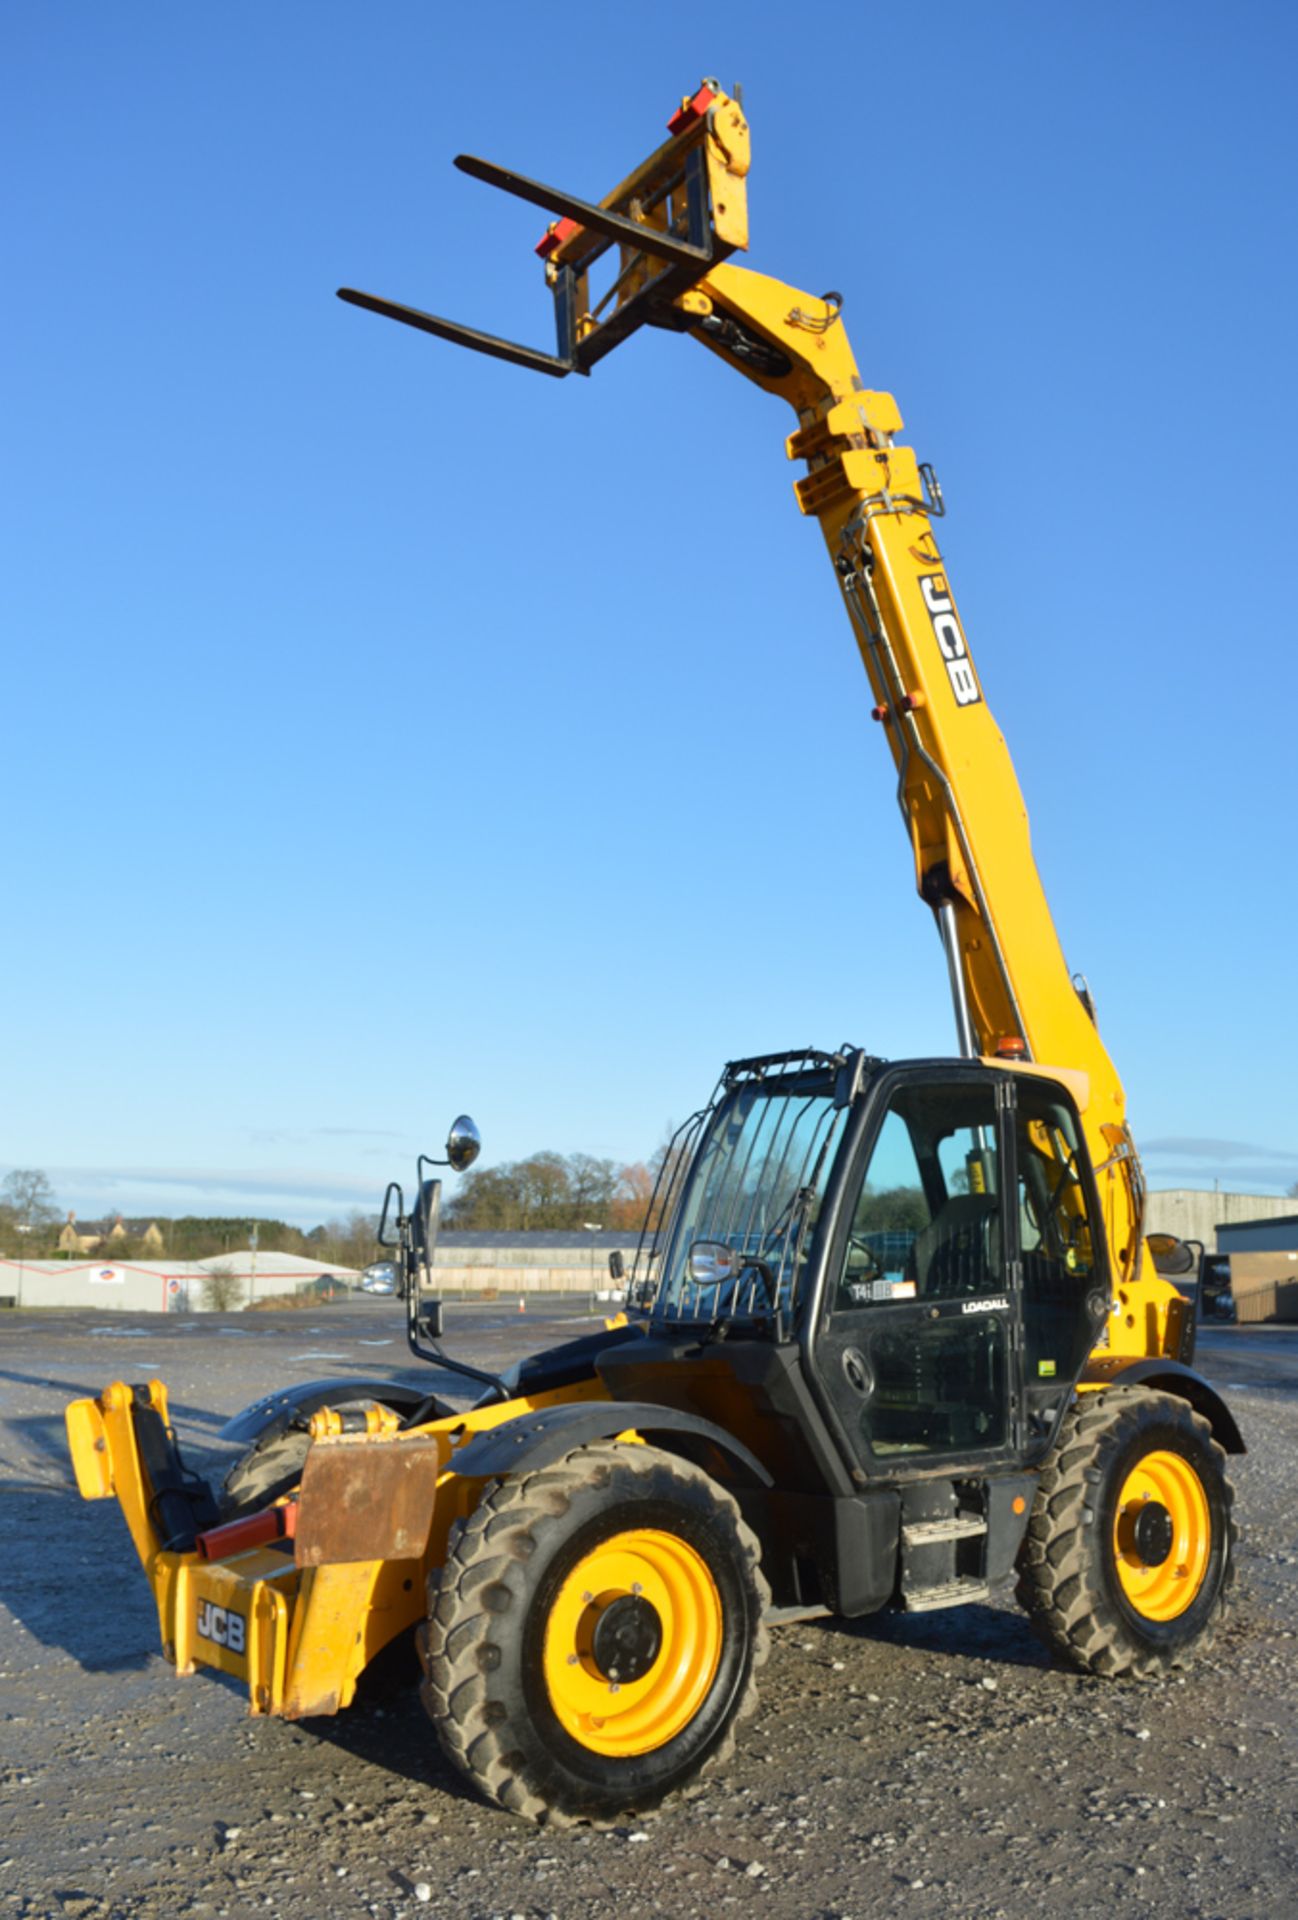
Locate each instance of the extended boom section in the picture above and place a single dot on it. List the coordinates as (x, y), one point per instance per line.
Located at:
(957, 788)
(674, 221)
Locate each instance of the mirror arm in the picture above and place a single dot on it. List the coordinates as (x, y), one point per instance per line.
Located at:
(382, 1235)
(417, 1261)
(431, 1350)
(433, 1353)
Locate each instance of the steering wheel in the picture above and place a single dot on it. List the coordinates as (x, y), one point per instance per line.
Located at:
(860, 1269)
(866, 1260)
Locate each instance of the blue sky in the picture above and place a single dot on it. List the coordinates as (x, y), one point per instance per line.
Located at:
(389, 732)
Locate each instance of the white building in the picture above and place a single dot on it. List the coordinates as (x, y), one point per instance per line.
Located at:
(161, 1286)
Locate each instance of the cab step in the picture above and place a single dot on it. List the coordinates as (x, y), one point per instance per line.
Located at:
(956, 1593)
(961, 1526)
(793, 1616)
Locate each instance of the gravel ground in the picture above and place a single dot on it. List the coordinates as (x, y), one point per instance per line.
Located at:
(913, 1766)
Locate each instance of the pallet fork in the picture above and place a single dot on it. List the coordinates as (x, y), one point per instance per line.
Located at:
(682, 212)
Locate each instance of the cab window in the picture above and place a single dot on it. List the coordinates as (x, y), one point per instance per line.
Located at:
(926, 1224)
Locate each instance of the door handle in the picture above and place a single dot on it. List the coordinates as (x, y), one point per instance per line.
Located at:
(857, 1371)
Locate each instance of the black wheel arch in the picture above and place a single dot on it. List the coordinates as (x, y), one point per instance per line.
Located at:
(540, 1438)
(1161, 1375)
(286, 1404)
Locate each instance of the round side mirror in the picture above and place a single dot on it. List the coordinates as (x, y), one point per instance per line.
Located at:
(1170, 1254)
(381, 1277)
(711, 1262)
(463, 1143)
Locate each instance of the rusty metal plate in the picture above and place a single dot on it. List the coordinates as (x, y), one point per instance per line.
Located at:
(368, 1497)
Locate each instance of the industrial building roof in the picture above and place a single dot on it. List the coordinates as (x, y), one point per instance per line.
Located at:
(571, 1237)
(1277, 1234)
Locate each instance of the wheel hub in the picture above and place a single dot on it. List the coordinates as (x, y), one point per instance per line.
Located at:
(633, 1640)
(628, 1638)
(1153, 1533)
(1162, 1535)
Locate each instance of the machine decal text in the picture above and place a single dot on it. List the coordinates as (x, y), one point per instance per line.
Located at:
(222, 1625)
(950, 638)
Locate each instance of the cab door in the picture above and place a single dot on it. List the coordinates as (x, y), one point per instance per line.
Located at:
(1062, 1252)
(918, 1334)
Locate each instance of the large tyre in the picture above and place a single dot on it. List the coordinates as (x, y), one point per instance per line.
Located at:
(1127, 1564)
(594, 1634)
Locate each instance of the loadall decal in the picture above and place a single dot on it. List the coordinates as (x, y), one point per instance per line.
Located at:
(950, 638)
(222, 1625)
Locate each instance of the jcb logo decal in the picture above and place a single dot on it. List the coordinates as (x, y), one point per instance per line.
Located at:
(223, 1626)
(950, 639)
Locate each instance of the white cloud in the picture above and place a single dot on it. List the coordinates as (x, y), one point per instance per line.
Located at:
(300, 1195)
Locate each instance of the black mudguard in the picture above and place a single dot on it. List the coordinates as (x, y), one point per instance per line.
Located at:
(540, 1438)
(1170, 1376)
(281, 1408)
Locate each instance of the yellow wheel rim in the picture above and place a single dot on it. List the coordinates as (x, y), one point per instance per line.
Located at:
(1162, 1535)
(624, 1717)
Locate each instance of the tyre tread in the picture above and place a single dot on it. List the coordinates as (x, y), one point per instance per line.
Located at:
(1055, 1586)
(483, 1553)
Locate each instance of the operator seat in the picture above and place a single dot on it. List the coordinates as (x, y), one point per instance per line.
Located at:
(959, 1251)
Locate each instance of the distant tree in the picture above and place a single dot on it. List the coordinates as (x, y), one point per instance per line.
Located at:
(27, 1194)
(348, 1242)
(898, 1207)
(195, 1238)
(222, 1290)
(545, 1190)
(593, 1185)
(1293, 1191)
(635, 1185)
(551, 1189)
(487, 1197)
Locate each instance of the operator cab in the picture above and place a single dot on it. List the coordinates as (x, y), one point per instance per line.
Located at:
(919, 1241)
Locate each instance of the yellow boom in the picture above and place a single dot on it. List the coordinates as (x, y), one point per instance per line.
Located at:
(667, 232)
